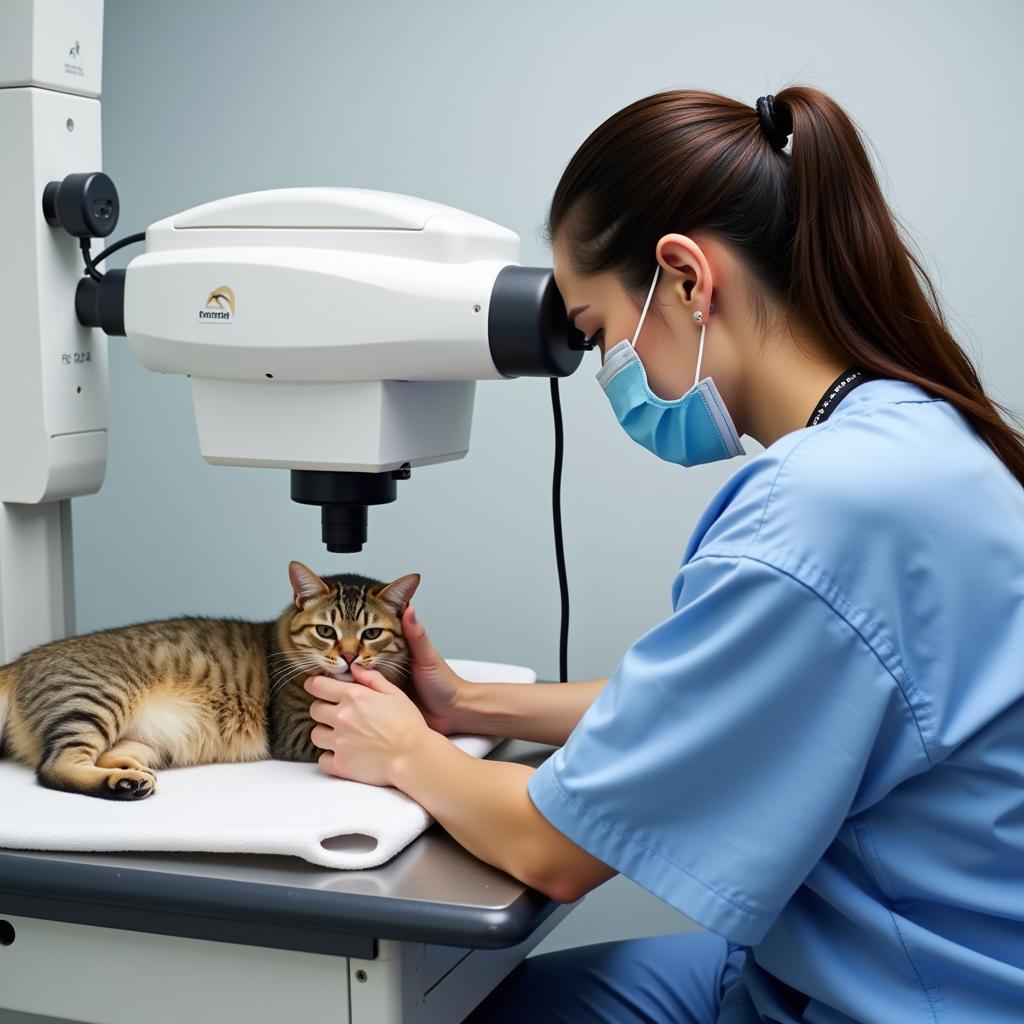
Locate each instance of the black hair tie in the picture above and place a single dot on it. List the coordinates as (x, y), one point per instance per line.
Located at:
(776, 121)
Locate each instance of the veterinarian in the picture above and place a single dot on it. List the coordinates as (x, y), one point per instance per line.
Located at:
(819, 754)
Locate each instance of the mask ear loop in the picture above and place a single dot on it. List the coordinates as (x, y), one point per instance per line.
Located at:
(700, 353)
(704, 328)
(643, 315)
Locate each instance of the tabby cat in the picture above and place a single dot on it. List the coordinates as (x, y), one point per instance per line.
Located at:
(100, 714)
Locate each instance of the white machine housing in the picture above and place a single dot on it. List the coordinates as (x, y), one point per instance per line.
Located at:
(53, 395)
(322, 328)
(53, 378)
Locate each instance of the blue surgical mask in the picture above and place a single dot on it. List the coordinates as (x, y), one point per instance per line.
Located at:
(688, 431)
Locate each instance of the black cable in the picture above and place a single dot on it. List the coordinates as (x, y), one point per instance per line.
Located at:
(90, 262)
(556, 508)
(90, 267)
(127, 240)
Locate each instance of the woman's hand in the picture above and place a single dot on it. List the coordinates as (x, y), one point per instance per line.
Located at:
(365, 727)
(439, 689)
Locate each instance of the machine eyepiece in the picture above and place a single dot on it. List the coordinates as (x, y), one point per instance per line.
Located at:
(527, 326)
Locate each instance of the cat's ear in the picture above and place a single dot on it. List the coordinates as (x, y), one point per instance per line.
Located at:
(305, 583)
(398, 594)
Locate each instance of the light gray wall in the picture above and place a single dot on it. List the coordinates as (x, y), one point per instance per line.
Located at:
(480, 105)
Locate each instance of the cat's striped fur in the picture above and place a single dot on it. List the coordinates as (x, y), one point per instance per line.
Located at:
(100, 714)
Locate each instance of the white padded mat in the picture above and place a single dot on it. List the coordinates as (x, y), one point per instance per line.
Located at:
(259, 807)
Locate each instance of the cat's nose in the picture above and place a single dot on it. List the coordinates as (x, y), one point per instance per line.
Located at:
(349, 658)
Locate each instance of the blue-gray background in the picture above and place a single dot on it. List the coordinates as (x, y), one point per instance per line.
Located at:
(480, 105)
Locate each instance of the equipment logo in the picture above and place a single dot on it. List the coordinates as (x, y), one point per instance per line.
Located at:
(71, 64)
(220, 306)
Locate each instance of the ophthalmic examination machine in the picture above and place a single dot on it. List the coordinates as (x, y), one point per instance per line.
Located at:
(338, 334)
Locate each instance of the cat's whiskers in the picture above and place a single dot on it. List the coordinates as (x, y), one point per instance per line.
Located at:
(399, 667)
(387, 659)
(280, 684)
(295, 658)
(294, 663)
(286, 671)
(294, 667)
(383, 659)
(312, 663)
(289, 656)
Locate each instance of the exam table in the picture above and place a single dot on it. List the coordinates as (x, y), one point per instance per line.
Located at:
(196, 938)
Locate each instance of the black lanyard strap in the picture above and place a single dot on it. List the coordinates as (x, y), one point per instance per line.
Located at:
(837, 391)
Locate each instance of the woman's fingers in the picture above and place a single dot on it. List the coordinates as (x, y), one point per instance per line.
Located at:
(322, 736)
(325, 688)
(370, 677)
(322, 711)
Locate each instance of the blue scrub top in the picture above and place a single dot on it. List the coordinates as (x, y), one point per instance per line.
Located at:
(820, 754)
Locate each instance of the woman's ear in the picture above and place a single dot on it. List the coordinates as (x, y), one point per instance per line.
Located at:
(683, 260)
(687, 301)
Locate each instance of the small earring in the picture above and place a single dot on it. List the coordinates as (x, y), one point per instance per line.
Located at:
(698, 316)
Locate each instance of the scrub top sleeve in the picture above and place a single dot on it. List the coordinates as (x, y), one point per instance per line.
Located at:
(720, 760)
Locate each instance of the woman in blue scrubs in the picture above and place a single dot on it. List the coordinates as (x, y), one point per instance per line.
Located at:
(819, 754)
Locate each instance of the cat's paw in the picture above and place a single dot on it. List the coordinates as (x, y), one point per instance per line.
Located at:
(129, 784)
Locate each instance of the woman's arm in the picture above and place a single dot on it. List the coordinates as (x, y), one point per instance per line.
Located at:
(485, 806)
(540, 713)
(371, 731)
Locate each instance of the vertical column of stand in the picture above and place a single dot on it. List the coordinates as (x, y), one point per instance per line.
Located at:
(36, 584)
(53, 372)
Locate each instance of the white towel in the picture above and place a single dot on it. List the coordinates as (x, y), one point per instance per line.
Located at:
(257, 807)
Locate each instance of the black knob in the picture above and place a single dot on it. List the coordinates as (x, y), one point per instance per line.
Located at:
(343, 498)
(101, 303)
(84, 205)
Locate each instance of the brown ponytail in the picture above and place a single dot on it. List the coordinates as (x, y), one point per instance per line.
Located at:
(812, 226)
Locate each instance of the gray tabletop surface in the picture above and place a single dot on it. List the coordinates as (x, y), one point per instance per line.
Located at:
(433, 891)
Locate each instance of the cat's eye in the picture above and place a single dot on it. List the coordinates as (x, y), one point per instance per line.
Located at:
(327, 632)
(373, 633)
